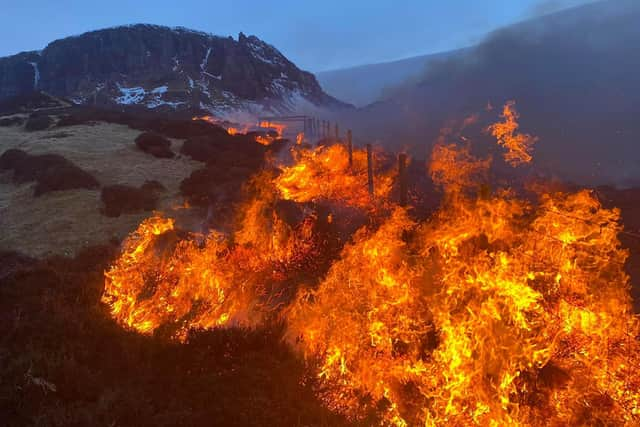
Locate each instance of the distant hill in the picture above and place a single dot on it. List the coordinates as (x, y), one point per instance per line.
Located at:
(166, 69)
(575, 76)
(365, 84)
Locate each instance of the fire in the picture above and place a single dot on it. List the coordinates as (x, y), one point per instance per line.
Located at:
(265, 140)
(235, 131)
(323, 173)
(518, 145)
(497, 311)
(201, 282)
(209, 119)
(502, 308)
(278, 127)
(161, 280)
(299, 138)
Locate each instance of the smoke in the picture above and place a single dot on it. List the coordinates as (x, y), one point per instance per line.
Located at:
(574, 74)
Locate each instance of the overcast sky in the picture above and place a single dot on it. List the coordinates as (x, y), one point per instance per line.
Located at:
(315, 35)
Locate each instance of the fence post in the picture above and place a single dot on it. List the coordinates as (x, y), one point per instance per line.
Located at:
(370, 169)
(350, 148)
(402, 177)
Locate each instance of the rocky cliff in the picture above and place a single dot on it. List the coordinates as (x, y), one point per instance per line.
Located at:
(165, 68)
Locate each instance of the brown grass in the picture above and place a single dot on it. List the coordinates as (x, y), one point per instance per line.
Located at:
(64, 222)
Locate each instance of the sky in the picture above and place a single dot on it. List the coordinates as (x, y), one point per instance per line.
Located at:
(317, 36)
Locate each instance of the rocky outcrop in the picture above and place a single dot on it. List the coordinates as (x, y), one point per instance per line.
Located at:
(164, 68)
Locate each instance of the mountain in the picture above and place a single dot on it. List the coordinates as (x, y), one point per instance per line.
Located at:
(167, 69)
(575, 77)
(368, 83)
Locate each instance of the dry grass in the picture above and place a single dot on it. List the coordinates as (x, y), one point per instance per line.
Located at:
(63, 222)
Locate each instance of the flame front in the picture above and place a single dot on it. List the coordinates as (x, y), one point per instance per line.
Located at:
(518, 145)
(324, 173)
(198, 282)
(499, 309)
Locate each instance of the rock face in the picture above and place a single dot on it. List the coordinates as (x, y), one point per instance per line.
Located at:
(164, 68)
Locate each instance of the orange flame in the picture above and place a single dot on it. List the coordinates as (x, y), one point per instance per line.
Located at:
(209, 119)
(323, 173)
(235, 131)
(497, 310)
(278, 127)
(518, 145)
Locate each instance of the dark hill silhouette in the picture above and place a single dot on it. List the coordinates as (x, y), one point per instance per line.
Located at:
(164, 68)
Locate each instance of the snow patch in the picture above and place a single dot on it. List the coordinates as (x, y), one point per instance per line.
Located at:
(78, 100)
(160, 90)
(264, 54)
(157, 102)
(205, 61)
(130, 95)
(219, 77)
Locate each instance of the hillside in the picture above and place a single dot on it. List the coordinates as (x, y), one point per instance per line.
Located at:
(165, 69)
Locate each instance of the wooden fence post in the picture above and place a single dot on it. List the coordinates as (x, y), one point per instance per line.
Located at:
(370, 169)
(350, 148)
(402, 177)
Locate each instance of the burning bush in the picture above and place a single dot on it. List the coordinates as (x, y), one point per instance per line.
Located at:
(502, 308)
(324, 173)
(497, 311)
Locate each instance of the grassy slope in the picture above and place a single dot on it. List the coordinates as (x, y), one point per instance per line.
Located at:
(51, 224)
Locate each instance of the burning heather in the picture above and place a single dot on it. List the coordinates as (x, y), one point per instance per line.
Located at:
(518, 145)
(201, 282)
(265, 133)
(501, 309)
(325, 174)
